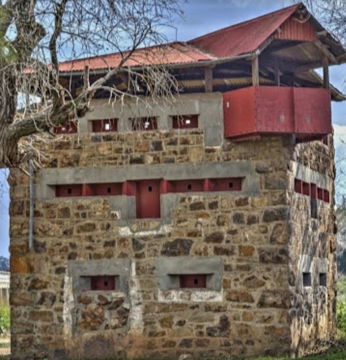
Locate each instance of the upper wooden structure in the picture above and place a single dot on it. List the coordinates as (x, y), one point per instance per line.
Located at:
(279, 49)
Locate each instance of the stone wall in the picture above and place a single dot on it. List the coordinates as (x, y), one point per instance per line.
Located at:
(312, 250)
(248, 236)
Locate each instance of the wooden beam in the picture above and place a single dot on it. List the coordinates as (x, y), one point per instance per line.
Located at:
(208, 78)
(325, 51)
(326, 73)
(255, 70)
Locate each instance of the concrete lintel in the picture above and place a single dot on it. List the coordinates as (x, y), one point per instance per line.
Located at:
(168, 269)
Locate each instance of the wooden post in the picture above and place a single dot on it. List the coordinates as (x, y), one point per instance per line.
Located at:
(277, 74)
(255, 71)
(208, 78)
(325, 73)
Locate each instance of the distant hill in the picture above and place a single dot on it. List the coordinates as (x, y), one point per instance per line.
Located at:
(4, 264)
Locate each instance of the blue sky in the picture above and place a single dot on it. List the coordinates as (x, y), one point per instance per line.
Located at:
(201, 17)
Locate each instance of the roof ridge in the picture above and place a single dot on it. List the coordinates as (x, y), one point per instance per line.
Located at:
(249, 21)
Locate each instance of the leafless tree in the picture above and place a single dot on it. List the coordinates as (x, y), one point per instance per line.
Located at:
(35, 35)
(332, 14)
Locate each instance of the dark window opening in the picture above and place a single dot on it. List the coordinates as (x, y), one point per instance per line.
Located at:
(103, 282)
(197, 281)
(306, 279)
(69, 128)
(313, 191)
(313, 208)
(323, 279)
(185, 121)
(105, 125)
(144, 123)
(150, 189)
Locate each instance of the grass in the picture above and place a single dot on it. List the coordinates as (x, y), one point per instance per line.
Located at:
(5, 324)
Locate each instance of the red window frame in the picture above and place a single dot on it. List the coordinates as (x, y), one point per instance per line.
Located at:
(193, 281)
(182, 186)
(298, 186)
(225, 184)
(102, 189)
(319, 193)
(69, 128)
(69, 190)
(144, 123)
(105, 125)
(185, 121)
(306, 188)
(326, 196)
(102, 283)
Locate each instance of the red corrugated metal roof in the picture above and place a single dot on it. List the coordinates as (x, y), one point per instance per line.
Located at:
(171, 53)
(243, 37)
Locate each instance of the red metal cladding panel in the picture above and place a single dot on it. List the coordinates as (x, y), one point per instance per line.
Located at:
(144, 124)
(225, 184)
(306, 188)
(148, 199)
(239, 107)
(312, 111)
(68, 190)
(298, 186)
(105, 189)
(274, 109)
(319, 193)
(104, 282)
(326, 196)
(186, 185)
(105, 125)
(295, 29)
(313, 191)
(185, 122)
(70, 128)
(129, 188)
(193, 281)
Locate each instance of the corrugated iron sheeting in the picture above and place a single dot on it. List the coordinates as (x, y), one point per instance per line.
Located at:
(293, 29)
(244, 37)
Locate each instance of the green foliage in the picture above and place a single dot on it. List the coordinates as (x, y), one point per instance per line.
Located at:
(341, 315)
(5, 323)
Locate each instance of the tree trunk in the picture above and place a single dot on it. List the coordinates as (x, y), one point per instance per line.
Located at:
(8, 103)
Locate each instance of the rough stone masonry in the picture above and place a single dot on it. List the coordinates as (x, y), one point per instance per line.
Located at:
(266, 252)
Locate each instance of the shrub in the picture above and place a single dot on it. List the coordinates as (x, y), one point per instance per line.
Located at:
(4, 319)
(341, 315)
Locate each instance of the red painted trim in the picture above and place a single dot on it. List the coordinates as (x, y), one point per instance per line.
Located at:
(306, 188)
(298, 186)
(193, 281)
(185, 121)
(105, 125)
(144, 123)
(102, 282)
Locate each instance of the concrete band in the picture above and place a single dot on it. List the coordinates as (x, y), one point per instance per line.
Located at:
(208, 106)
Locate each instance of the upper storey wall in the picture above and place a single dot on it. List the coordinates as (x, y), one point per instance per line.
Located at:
(207, 106)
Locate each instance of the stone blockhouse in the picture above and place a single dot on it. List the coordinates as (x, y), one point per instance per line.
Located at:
(203, 226)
